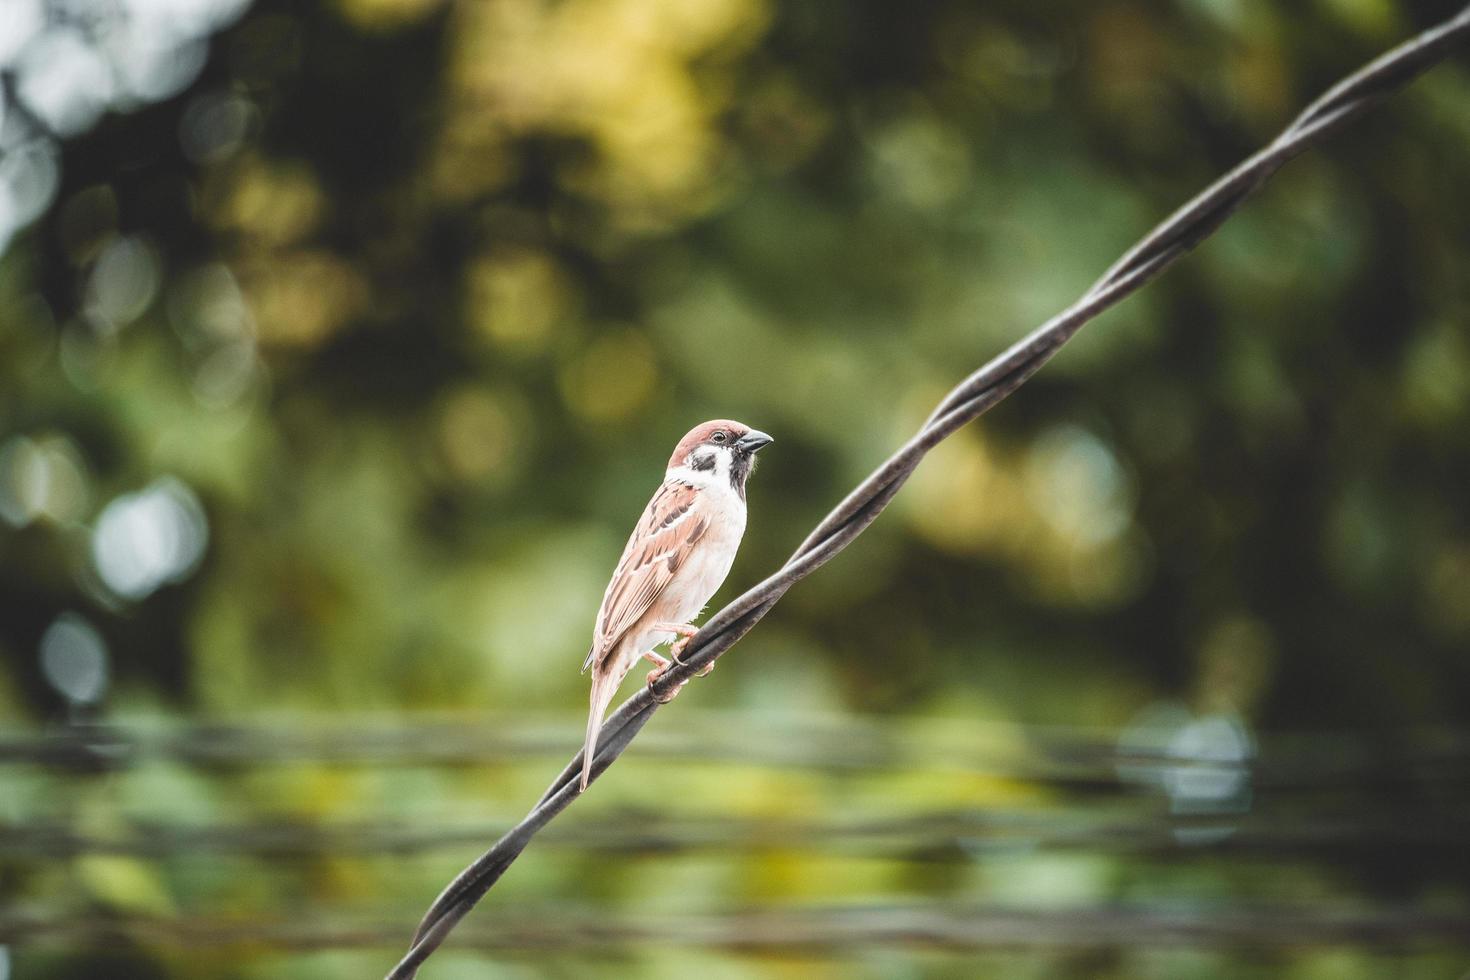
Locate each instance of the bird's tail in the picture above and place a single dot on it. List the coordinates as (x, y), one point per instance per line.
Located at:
(604, 686)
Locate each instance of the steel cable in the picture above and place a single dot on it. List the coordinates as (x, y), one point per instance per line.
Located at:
(976, 394)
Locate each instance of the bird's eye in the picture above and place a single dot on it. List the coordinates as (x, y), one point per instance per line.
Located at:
(719, 437)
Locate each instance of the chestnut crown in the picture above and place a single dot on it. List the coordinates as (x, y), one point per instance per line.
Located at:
(737, 437)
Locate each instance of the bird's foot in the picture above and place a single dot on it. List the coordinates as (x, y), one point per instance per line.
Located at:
(685, 633)
(653, 677)
(685, 630)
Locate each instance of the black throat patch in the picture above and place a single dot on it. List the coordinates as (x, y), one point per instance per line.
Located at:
(741, 465)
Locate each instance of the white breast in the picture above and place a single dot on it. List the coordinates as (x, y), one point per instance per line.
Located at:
(702, 575)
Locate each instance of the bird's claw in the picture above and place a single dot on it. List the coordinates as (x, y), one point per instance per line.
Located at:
(653, 677)
(683, 633)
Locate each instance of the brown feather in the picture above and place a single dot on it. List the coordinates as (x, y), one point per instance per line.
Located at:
(698, 435)
(655, 550)
(662, 578)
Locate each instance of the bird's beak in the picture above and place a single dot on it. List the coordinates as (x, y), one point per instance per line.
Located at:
(752, 441)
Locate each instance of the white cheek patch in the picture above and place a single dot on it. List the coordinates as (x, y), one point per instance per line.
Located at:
(702, 479)
(707, 466)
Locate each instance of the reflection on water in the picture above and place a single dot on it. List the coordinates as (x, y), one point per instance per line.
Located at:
(825, 841)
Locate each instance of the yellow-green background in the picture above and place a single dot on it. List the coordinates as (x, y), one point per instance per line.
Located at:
(417, 341)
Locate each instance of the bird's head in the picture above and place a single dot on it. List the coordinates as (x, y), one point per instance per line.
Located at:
(721, 446)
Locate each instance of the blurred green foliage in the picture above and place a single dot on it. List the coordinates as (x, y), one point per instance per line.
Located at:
(331, 386)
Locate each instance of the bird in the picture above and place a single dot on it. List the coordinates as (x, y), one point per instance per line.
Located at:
(676, 559)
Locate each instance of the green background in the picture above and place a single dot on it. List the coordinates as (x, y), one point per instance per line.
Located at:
(331, 385)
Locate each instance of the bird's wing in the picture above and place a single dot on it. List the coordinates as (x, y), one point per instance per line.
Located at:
(672, 525)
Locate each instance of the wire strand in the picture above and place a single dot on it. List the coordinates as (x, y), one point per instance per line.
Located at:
(976, 394)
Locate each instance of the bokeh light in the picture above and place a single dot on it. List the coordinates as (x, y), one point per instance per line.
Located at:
(215, 126)
(342, 343)
(28, 180)
(70, 62)
(42, 477)
(1201, 763)
(1079, 486)
(124, 280)
(74, 659)
(149, 539)
(64, 80)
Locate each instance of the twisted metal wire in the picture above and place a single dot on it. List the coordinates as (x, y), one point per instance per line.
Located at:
(979, 392)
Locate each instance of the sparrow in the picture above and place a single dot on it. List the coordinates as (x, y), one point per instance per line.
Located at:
(677, 557)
